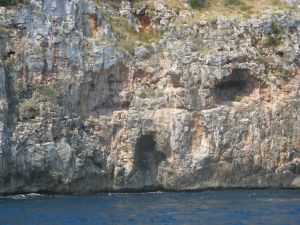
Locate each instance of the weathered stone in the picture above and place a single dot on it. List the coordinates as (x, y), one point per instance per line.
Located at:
(210, 105)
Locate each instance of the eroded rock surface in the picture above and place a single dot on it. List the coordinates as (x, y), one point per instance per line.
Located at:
(210, 105)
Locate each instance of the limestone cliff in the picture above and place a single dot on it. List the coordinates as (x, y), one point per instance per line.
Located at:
(97, 96)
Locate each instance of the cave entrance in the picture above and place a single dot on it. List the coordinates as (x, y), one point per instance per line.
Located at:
(235, 86)
(230, 90)
(147, 159)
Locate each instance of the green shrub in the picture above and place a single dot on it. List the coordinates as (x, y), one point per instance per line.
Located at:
(12, 2)
(50, 92)
(112, 1)
(150, 94)
(275, 28)
(143, 95)
(29, 109)
(197, 4)
(3, 29)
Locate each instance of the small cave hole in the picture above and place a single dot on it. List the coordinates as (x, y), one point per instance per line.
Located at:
(111, 79)
(147, 159)
(280, 53)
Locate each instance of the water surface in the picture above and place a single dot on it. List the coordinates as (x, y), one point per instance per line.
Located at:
(208, 207)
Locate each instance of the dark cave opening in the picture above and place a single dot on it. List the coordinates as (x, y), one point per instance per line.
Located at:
(229, 90)
(147, 159)
(235, 86)
(10, 53)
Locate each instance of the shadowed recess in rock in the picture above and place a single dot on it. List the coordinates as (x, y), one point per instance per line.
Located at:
(238, 84)
(147, 159)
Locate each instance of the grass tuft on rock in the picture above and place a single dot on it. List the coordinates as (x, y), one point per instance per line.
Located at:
(198, 4)
(50, 92)
(274, 40)
(127, 45)
(237, 98)
(233, 2)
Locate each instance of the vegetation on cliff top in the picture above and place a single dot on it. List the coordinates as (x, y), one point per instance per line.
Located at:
(201, 10)
(199, 3)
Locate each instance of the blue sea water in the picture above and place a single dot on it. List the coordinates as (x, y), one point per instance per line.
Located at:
(234, 207)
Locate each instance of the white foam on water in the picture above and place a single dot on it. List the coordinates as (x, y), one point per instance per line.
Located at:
(22, 196)
(278, 200)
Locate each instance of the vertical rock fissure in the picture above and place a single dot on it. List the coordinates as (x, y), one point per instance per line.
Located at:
(9, 124)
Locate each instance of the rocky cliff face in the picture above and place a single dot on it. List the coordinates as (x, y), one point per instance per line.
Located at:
(214, 103)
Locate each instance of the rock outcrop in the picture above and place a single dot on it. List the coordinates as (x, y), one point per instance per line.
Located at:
(212, 104)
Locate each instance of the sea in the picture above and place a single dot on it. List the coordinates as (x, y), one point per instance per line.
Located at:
(234, 207)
